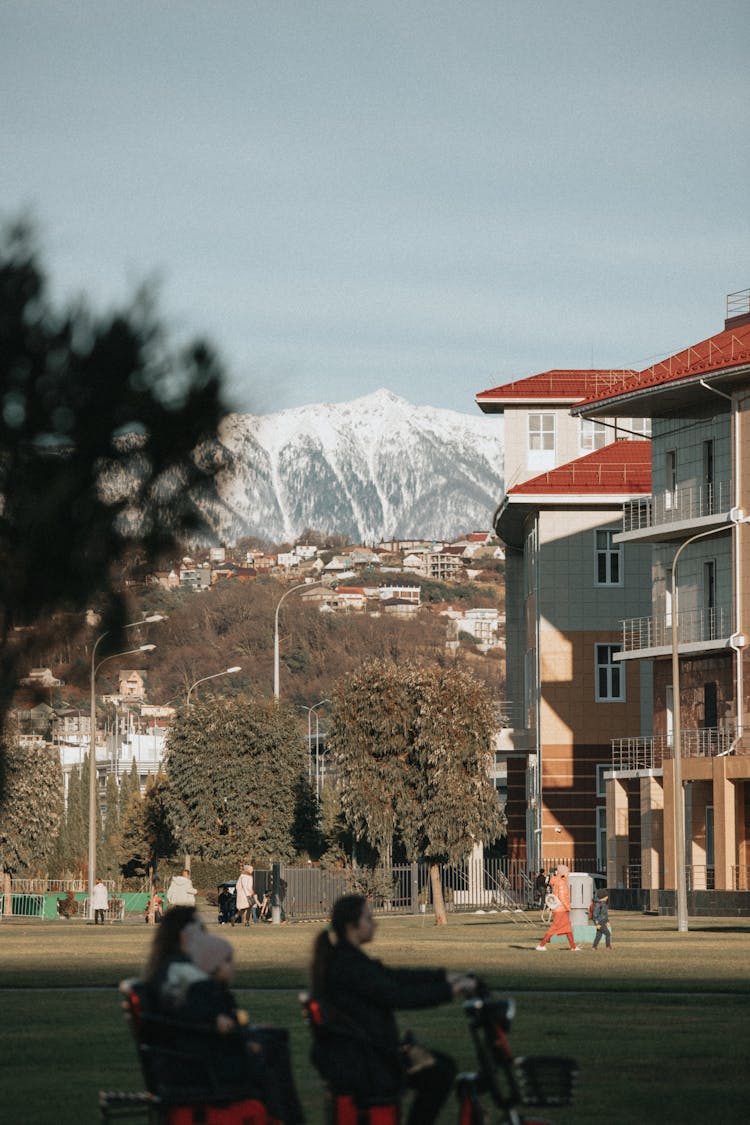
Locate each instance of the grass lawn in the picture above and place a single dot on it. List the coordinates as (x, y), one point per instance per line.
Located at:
(659, 1026)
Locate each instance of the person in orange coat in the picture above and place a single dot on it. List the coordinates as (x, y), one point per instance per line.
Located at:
(561, 926)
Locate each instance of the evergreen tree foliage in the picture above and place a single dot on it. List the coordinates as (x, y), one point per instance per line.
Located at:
(234, 770)
(412, 750)
(147, 835)
(107, 440)
(107, 858)
(75, 849)
(31, 806)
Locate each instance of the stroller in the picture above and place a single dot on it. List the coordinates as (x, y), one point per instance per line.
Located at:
(227, 903)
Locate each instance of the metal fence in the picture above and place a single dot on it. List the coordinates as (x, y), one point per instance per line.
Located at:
(695, 626)
(499, 884)
(22, 906)
(696, 502)
(649, 751)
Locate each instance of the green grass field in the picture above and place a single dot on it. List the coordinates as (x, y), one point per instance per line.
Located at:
(659, 1026)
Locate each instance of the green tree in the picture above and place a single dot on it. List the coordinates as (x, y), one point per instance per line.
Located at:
(412, 748)
(75, 850)
(147, 835)
(31, 807)
(234, 769)
(107, 444)
(108, 859)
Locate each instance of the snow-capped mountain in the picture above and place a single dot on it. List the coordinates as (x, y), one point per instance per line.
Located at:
(371, 469)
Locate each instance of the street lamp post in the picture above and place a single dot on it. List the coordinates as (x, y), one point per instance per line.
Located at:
(310, 712)
(678, 795)
(299, 586)
(226, 672)
(152, 619)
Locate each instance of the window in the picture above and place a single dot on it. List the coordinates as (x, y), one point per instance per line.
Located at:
(640, 426)
(608, 560)
(709, 599)
(670, 478)
(708, 499)
(610, 675)
(601, 838)
(542, 432)
(601, 785)
(710, 705)
(593, 435)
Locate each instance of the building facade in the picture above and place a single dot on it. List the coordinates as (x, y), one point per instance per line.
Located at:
(566, 584)
(678, 798)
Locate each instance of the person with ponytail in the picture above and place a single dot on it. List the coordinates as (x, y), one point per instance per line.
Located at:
(360, 1052)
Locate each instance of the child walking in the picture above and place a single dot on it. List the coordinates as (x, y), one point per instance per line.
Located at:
(601, 920)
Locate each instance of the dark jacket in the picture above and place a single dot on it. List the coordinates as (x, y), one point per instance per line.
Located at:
(357, 1049)
(601, 914)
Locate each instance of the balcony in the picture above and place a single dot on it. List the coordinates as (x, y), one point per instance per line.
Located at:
(642, 755)
(512, 736)
(676, 514)
(698, 630)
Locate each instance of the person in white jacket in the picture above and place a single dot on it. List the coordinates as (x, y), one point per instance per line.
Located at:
(181, 891)
(245, 893)
(99, 902)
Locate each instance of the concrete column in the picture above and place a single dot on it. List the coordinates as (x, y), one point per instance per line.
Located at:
(476, 875)
(698, 796)
(725, 825)
(652, 833)
(617, 833)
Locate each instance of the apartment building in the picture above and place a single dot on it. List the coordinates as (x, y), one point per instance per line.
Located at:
(679, 794)
(567, 584)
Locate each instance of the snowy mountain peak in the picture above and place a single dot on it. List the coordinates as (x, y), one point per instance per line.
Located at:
(373, 468)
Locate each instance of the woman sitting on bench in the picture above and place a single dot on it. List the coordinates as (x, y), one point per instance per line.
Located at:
(188, 975)
(359, 1052)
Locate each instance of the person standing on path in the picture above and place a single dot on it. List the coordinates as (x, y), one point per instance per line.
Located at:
(245, 893)
(99, 902)
(540, 887)
(561, 925)
(181, 890)
(601, 920)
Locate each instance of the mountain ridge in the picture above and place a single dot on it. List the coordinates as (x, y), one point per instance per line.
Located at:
(373, 468)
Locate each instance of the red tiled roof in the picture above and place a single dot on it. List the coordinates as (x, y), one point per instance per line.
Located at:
(620, 467)
(565, 385)
(726, 349)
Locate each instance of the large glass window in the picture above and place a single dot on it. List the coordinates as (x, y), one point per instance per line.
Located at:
(608, 560)
(640, 426)
(610, 675)
(542, 432)
(593, 435)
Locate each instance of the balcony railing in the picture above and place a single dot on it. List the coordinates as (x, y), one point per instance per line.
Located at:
(649, 753)
(695, 626)
(697, 502)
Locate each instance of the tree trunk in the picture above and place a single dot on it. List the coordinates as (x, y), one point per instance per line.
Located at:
(7, 893)
(438, 902)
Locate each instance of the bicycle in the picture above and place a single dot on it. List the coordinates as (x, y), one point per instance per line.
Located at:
(510, 1083)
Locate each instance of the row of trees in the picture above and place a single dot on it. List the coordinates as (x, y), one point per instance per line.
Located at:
(409, 747)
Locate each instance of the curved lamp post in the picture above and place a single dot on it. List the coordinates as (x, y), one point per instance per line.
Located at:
(152, 619)
(680, 843)
(202, 680)
(310, 712)
(299, 586)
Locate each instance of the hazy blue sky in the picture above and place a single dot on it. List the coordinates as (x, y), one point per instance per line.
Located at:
(433, 197)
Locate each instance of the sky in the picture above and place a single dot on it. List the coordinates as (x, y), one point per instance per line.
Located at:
(432, 197)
